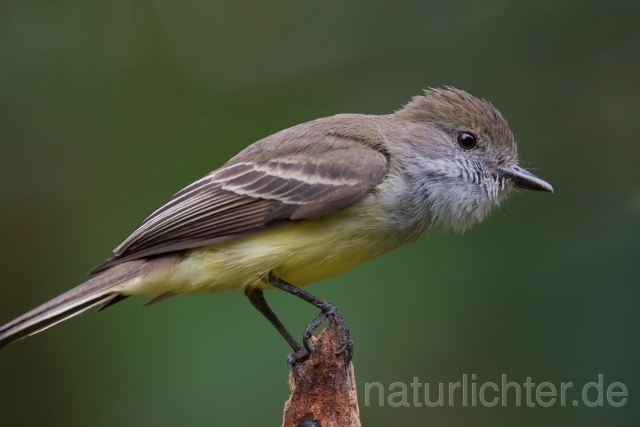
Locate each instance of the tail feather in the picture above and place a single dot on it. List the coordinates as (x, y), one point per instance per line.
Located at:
(98, 290)
(45, 323)
(112, 300)
(161, 298)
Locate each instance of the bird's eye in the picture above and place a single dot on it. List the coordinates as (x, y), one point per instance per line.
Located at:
(467, 140)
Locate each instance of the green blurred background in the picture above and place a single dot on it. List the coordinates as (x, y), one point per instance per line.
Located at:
(108, 107)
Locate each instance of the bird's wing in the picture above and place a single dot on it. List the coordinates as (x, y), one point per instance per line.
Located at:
(246, 196)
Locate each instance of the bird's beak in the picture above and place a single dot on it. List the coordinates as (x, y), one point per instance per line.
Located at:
(523, 179)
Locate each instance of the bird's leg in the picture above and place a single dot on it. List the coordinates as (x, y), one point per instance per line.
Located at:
(326, 309)
(256, 298)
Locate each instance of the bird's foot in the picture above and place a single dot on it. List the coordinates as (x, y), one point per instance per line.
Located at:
(330, 310)
(326, 310)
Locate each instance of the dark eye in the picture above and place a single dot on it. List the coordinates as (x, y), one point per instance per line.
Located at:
(466, 140)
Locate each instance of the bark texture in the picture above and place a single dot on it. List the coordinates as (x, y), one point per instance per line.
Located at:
(324, 395)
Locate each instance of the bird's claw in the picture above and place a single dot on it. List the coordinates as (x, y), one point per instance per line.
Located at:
(347, 349)
(308, 331)
(347, 343)
(294, 358)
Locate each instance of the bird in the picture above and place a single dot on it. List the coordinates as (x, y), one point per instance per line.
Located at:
(308, 203)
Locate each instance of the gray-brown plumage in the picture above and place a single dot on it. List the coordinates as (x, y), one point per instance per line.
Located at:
(366, 184)
(298, 173)
(98, 290)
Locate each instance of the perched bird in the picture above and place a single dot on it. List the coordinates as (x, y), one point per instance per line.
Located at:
(306, 204)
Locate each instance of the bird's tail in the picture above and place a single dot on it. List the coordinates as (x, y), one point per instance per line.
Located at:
(103, 289)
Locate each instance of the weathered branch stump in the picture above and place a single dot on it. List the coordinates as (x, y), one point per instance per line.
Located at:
(324, 395)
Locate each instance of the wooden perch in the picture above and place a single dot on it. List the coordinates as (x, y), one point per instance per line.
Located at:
(325, 393)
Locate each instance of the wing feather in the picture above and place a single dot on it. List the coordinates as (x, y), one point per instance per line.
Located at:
(249, 196)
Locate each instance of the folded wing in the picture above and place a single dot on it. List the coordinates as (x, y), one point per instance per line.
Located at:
(248, 196)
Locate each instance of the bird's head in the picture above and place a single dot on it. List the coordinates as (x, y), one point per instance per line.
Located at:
(462, 156)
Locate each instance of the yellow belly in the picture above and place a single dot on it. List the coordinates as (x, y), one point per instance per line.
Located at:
(301, 253)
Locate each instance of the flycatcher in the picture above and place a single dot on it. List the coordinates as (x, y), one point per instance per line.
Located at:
(306, 204)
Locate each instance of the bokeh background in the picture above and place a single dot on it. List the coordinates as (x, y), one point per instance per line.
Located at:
(108, 107)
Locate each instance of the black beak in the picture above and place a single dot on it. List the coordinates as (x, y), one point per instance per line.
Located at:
(523, 179)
